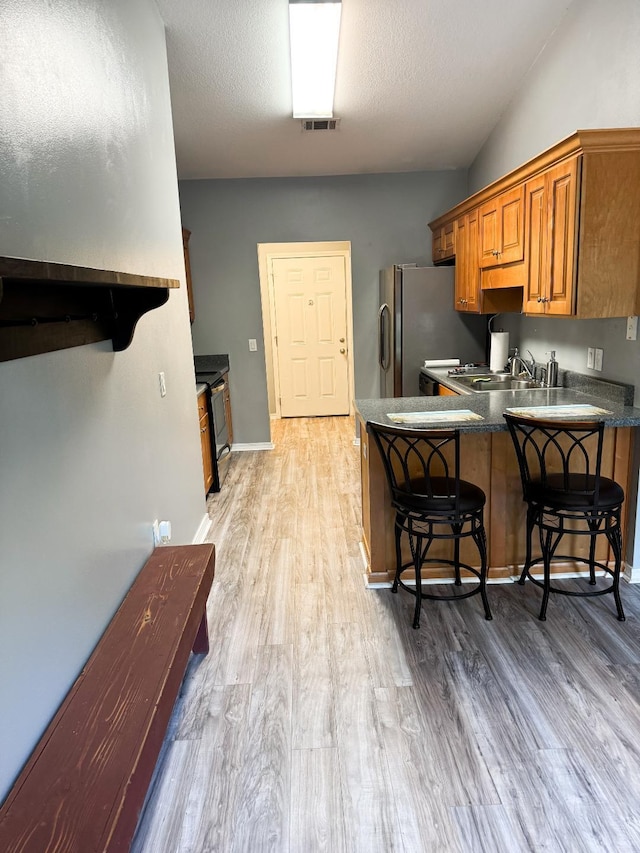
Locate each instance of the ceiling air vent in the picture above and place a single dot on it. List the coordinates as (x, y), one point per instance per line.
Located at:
(320, 123)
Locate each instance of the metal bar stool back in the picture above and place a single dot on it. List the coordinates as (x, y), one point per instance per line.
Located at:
(431, 503)
(560, 468)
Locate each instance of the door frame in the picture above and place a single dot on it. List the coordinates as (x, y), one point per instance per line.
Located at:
(267, 252)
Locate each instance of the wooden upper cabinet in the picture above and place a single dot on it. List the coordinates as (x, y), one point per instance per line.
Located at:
(502, 228)
(563, 228)
(551, 218)
(443, 245)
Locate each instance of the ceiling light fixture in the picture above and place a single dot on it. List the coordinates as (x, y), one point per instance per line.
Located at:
(314, 26)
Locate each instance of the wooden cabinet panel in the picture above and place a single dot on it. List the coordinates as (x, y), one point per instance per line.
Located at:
(502, 228)
(443, 246)
(562, 209)
(443, 391)
(467, 275)
(205, 442)
(536, 245)
(551, 209)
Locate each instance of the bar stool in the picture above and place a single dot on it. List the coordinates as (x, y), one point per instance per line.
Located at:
(431, 503)
(563, 488)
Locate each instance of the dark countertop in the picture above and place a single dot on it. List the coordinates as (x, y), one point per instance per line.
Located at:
(211, 368)
(491, 405)
(616, 392)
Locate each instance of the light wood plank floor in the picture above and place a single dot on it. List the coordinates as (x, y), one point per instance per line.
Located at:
(321, 721)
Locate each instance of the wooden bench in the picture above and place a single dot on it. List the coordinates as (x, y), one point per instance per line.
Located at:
(84, 785)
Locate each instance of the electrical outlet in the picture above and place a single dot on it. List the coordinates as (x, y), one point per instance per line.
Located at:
(161, 532)
(253, 345)
(591, 357)
(597, 361)
(163, 384)
(632, 328)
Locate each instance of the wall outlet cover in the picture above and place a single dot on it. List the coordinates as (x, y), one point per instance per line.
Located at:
(599, 357)
(632, 328)
(591, 357)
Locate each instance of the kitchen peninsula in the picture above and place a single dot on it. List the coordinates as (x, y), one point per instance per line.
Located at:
(487, 458)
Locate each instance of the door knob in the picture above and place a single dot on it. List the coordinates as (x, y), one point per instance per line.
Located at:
(341, 340)
(342, 350)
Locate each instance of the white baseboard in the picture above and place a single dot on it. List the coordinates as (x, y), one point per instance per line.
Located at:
(203, 531)
(356, 442)
(258, 445)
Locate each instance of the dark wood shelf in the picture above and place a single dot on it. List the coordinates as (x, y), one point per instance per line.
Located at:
(46, 306)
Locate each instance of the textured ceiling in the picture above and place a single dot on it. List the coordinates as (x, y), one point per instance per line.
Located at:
(420, 84)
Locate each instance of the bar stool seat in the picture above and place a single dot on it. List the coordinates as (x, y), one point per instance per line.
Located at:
(560, 469)
(432, 503)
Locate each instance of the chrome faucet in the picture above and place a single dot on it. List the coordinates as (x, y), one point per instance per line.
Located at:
(519, 365)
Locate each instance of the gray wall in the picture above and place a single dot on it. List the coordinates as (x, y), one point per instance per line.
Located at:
(385, 218)
(587, 76)
(89, 452)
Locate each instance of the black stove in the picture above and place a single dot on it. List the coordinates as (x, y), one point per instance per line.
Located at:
(468, 369)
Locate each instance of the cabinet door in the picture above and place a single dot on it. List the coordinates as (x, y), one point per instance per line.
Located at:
(449, 240)
(562, 182)
(536, 242)
(207, 457)
(488, 233)
(467, 277)
(551, 211)
(501, 227)
(443, 246)
(473, 262)
(511, 225)
(461, 273)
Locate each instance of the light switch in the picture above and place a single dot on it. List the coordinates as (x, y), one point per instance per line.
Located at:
(591, 357)
(597, 362)
(163, 384)
(632, 328)
(253, 345)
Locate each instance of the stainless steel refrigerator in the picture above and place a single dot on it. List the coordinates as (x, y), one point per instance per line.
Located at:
(417, 321)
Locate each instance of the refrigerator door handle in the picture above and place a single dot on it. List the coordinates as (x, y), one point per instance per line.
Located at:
(384, 356)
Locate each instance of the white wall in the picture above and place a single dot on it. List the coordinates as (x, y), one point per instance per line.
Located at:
(587, 76)
(89, 452)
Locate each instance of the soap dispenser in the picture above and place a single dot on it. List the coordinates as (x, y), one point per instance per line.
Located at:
(552, 370)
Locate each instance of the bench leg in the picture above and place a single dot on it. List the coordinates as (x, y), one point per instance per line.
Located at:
(201, 642)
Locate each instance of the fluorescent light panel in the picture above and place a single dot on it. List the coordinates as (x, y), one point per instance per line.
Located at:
(314, 28)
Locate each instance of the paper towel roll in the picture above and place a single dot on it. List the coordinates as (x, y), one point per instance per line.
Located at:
(442, 362)
(499, 350)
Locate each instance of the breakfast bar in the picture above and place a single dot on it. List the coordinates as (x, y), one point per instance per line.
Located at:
(487, 458)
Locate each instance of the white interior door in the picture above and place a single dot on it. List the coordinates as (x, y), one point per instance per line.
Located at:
(311, 335)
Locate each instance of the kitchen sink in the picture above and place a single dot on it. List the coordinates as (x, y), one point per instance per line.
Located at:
(497, 382)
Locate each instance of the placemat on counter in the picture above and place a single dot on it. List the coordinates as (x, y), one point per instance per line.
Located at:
(434, 417)
(570, 410)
